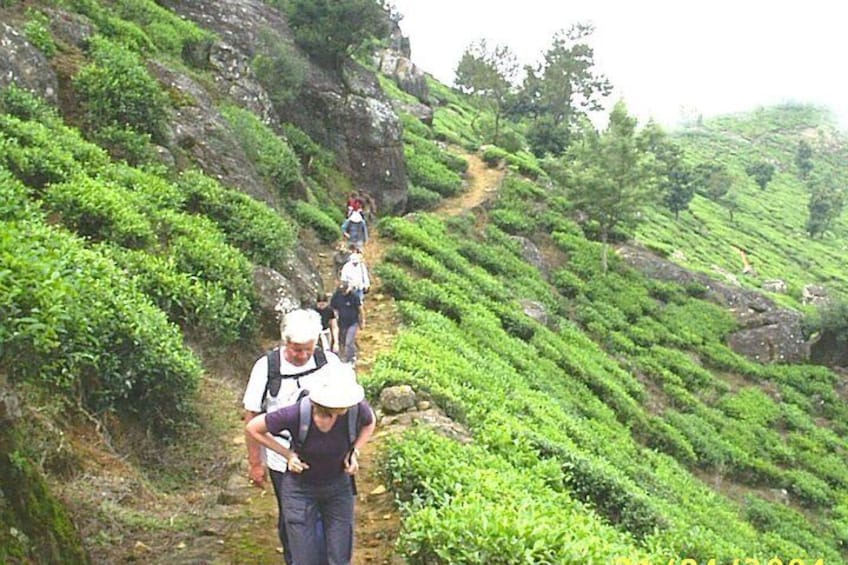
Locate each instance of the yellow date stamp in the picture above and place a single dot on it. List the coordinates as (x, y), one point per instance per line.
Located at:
(729, 561)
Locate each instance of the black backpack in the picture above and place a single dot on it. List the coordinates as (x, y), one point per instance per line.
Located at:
(275, 379)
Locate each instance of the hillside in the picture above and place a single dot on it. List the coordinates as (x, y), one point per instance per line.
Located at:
(172, 177)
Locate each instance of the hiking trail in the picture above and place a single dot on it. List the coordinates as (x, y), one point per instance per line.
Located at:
(240, 519)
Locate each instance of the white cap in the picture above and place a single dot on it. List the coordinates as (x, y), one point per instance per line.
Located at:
(301, 326)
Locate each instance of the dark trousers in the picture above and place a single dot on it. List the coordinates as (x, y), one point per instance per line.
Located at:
(305, 505)
(277, 481)
(347, 345)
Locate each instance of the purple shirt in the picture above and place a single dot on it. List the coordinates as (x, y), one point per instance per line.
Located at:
(324, 452)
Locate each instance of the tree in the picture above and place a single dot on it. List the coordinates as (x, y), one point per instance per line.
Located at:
(714, 181)
(825, 205)
(762, 173)
(561, 91)
(804, 159)
(610, 178)
(329, 30)
(488, 76)
(675, 178)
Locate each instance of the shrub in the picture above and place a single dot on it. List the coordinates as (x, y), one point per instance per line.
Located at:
(273, 157)
(279, 68)
(72, 324)
(27, 149)
(115, 89)
(424, 170)
(420, 198)
(257, 230)
(100, 211)
(167, 32)
(308, 215)
(494, 156)
(37, 30)
(124, 143)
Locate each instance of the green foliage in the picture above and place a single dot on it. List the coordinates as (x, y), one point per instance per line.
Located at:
(279, 68)
(272, 156)
(307, 214)
(762, 173)
(37, 30)
(116, 90)
(420, 198)
(61, 303)
(100, 211)
(329, 30)
(426, 171)
(124, 143)
(260, 233)
(200, 249)
(803, 159)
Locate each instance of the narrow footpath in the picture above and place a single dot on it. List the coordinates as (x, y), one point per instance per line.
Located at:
(242, 519)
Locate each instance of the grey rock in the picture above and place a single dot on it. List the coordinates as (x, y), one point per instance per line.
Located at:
(396, 399)
(25, 66)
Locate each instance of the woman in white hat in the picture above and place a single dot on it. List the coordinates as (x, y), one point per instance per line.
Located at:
(321, 461)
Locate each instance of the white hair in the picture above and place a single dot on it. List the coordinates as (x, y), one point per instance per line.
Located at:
(301, 326)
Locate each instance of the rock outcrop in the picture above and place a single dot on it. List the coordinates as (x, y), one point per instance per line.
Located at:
(768, 334)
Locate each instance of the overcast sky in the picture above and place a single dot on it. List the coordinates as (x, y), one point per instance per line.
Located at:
(666, 59)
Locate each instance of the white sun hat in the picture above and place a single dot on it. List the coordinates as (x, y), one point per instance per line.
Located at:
(337, 387)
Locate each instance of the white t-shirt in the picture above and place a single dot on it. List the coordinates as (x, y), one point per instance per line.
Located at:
(289, 390)
(356, 275)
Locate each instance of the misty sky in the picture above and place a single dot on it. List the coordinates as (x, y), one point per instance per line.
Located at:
(667, 59)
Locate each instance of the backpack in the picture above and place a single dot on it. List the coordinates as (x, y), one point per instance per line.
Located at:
(275, 379)
(305, 421)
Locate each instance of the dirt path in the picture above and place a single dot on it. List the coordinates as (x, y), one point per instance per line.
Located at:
(242, 519)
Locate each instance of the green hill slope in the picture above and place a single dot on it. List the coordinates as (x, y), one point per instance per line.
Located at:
(622, 427)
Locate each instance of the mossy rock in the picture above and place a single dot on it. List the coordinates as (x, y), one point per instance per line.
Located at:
(34, 526)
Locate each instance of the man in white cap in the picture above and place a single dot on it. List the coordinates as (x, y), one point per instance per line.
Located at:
(329, 426)
(277, 379)
(354, 230)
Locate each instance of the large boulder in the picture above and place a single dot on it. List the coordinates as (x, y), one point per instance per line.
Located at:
(768, 333)
(25, 66)
(345, 111)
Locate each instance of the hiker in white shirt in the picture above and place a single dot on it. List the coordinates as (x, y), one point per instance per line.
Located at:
(355, 274)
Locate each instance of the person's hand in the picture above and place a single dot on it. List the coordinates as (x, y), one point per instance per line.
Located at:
(335, 349)
(352, 463)
(256, 475)
(296, 465)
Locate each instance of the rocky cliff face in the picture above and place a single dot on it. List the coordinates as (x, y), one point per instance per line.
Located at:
(346, 112)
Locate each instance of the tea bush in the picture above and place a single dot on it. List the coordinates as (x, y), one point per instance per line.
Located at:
(265, 237)
(115, 89)
(273, 157)
(312, 216)
(61, 303)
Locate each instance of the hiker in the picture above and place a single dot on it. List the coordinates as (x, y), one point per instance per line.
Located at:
(354, 203)
(329, 335)
(329, 427)
(276, 380)
(355, 273)
(355, 230)
(351, 317)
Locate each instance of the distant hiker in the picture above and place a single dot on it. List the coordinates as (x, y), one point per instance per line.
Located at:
(329, 325)
(351, 317)
(355, 273)
(276, 380)
(354, 203)
(355, 231)
(329, 427)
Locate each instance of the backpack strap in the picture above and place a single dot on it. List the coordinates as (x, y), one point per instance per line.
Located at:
(275, 380)
(305, 406)
(305, 421)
